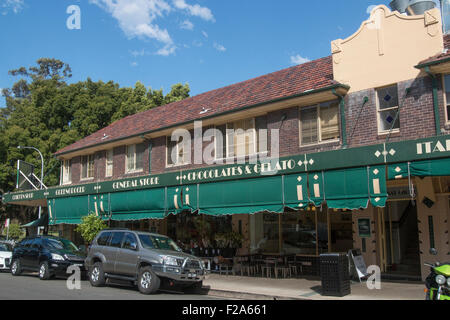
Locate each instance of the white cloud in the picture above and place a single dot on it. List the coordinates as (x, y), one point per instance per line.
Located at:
(219, 47)
(136, 18)
(136, 53)
(134, 64)
(166, 51)
(13, 5)
(298, 59)
(195, 10)
(187, 25)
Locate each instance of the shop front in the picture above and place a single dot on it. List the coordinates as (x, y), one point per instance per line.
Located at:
(303, 205)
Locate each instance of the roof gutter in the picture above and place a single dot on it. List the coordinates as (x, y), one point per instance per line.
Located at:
(432, 63)
(298, 95)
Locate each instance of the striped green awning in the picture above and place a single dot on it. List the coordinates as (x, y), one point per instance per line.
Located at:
(340, 189)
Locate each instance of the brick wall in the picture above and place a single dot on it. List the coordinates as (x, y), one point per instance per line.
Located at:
(416, 121)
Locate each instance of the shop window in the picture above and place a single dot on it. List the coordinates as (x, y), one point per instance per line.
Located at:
(299, 233)
(447, 97)
(66, 172)
(319, 123)
(87, 167)
(135, 158)
(109, 163)
(177, 153)
(241, 138)
(387, 106)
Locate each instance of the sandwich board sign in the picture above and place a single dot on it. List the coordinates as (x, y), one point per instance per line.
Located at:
(360, 269)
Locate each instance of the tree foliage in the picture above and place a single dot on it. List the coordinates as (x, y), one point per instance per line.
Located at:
(90, 226)
(14, 232)
(44, 111)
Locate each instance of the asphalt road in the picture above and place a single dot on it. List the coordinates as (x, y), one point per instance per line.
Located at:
(29, 287)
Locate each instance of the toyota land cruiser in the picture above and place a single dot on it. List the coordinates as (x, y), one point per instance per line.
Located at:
(145, 259)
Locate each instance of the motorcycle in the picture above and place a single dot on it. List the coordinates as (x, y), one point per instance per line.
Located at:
(438, 281)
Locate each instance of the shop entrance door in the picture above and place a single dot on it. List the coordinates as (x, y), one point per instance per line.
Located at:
(398, 245)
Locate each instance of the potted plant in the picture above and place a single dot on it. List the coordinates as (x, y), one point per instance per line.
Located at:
(234, 241)
(221, 242)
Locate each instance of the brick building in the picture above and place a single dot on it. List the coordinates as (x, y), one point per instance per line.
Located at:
(356, 155)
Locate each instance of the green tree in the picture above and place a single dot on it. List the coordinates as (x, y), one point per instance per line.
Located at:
(14, 232)
(90, 226)
(44, 111)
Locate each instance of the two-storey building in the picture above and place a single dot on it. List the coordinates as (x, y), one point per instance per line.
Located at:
(352, 151)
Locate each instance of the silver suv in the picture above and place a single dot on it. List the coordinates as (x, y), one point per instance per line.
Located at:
(146, 259)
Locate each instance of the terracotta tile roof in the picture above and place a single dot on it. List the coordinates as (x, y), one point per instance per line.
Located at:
(441, 56)
(312, 75)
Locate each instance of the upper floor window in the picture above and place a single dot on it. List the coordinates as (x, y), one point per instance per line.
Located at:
(387, 106)
(319, 123)
(447, 97)
(176, 152)
(135, 158)
(66, 172)
(109, 163)
(87, 167)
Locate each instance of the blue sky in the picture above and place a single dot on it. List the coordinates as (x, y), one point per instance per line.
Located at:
(206, 43)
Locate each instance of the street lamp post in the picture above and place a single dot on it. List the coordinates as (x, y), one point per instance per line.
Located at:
(42, 175)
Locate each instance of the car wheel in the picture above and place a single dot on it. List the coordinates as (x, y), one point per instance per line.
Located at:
(148, 282)
(96, 275)
(16, 268)
(44, 272)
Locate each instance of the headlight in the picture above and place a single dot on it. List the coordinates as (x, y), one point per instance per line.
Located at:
(171, 261)
(57, 257)
(440, 279)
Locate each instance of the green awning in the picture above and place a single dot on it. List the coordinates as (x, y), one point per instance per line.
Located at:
(181, 198)
(353, 188)
(137, 205)
(68, 210)
(241, 196)
(316, 192)
(426, 168)
(41, 222)
(296, 191)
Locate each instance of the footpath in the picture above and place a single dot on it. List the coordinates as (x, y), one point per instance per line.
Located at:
(251, 288)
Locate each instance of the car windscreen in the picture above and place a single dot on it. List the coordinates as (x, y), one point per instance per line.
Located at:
(5, 247)
(158, 242)
(60, 244)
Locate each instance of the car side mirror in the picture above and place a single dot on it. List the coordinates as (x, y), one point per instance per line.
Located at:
(133, 246)
(433, 252)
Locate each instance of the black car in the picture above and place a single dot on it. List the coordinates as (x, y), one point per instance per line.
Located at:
(50, 256)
